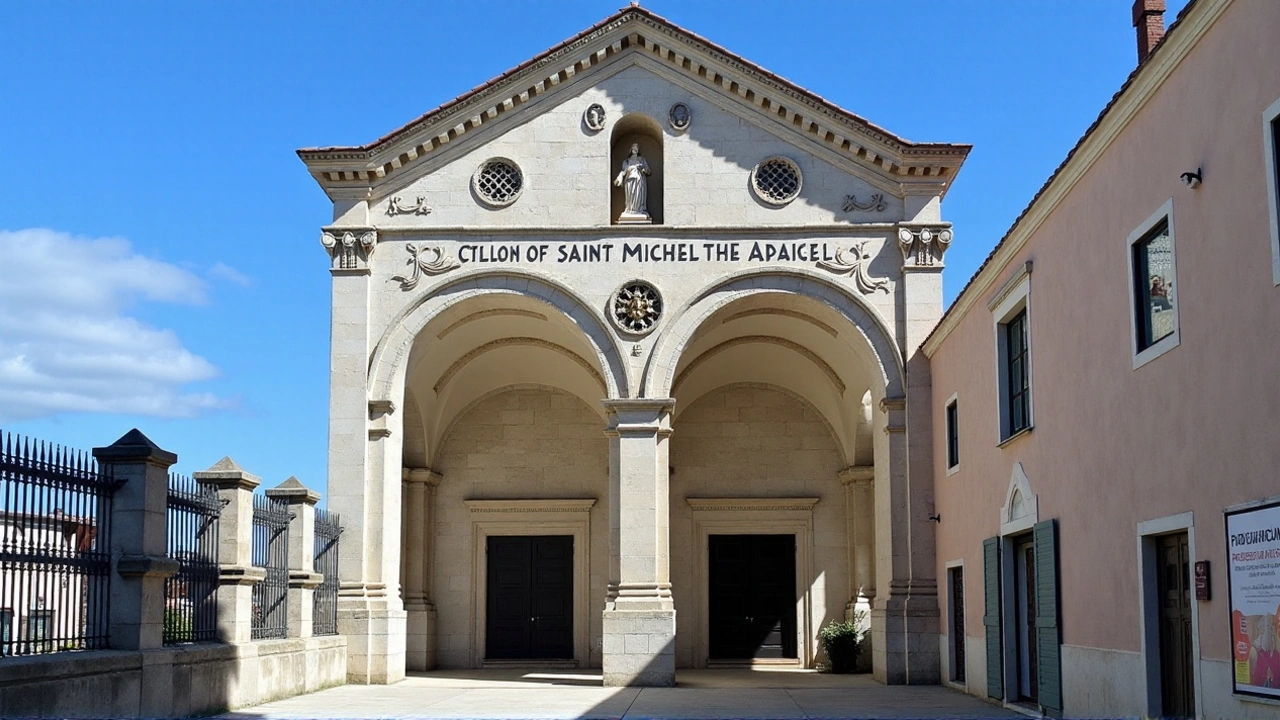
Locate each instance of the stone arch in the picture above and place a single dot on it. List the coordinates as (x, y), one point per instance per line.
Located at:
(389, 359)
(659, 374)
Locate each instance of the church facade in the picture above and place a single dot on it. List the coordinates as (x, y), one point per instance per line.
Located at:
(624, 370)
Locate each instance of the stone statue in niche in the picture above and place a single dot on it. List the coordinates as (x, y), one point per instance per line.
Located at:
(633, 179)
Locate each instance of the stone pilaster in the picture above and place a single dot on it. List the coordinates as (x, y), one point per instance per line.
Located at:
(236, 573)
(639, 617)
(303, 579)
(139, 527)
(364, 466)
(419, 547)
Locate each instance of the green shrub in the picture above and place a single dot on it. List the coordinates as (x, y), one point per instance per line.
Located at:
(843, 642)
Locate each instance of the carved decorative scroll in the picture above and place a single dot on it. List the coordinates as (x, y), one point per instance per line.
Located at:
(425, 260)
(349, 249)
(875, 204)
(923, 247)
(853, 262)
(394, 207)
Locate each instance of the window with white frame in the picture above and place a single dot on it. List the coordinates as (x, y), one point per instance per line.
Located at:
(1011, 311)
(1271, 147)
(1153, 286)
(952, 421)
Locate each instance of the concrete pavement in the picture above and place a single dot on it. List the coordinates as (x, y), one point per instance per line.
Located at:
(564, 694)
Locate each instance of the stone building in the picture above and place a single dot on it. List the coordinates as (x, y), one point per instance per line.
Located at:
(624, 357)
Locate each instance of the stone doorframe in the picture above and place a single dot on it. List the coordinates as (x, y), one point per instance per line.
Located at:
(752, 516)
(531, 517)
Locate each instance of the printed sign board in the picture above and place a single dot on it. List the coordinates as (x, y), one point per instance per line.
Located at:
(1253, 581)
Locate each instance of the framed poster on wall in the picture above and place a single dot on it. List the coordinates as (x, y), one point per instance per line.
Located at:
(1253, 584)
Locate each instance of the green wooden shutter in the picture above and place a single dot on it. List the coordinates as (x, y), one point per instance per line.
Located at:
(991, 617)
(1048, 635)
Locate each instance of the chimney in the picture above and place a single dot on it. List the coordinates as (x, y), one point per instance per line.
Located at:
(1148, 18)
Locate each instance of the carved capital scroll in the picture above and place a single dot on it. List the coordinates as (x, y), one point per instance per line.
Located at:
(349, 248)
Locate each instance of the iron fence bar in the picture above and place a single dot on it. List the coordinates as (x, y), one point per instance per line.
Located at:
(55, 507)
(328, 530)
(191, 596)
(271, 552)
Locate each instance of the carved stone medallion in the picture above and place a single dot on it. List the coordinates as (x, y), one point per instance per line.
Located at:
(594, 117)
(636, 307)
(680, 117)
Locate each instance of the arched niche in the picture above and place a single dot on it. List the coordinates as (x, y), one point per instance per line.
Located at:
(644, 131)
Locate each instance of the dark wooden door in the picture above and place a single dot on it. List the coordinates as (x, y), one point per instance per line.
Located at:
(752, 603)
(957, 624)
(1177, 690)
(529, 608)
(1025, 556)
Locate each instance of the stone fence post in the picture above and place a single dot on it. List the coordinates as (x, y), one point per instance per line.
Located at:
(237, 573)
(303, 579)
(138, 526)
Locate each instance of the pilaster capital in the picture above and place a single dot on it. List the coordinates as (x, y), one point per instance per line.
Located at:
(349, 248)
(858, 476)
(421, 476)
(923, 244)
(638, 416)
(227, 475)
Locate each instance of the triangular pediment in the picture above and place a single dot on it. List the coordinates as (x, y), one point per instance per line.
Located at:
(630, 37)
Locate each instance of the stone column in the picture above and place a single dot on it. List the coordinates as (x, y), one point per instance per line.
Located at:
(859, 497)
(364, 466)
(906, 621)
(236, 572)
(419, 546)
(639, 616)
(303, 579)
(138, 526)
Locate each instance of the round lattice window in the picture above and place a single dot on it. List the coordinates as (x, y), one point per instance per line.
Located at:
(636, 307)
(776, 180)
(498, 182)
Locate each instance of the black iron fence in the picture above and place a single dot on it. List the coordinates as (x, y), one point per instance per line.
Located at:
(271, 552)
(191, 596)
(55, 563)
(325, 609)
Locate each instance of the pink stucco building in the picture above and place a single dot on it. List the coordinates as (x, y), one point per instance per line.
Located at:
(1105, 403)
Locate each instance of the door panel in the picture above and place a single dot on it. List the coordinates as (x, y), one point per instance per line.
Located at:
(529, 603)
(1177, 685)
(752, 603)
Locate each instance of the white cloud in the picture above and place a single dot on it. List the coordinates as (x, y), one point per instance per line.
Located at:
(223, 271)
(66, 344)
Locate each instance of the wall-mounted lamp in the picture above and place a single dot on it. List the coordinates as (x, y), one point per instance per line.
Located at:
(1191, 179)
(936, 518)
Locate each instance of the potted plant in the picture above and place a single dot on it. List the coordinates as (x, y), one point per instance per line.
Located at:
(842, 641)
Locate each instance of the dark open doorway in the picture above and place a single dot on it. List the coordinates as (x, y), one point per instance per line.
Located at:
(752, 596)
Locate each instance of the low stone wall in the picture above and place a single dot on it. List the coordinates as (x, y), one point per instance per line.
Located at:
(169, 682)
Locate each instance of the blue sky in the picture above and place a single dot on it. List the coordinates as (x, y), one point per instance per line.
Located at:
(161, 266)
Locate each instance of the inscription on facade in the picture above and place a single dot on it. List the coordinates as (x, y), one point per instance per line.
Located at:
(640, 252)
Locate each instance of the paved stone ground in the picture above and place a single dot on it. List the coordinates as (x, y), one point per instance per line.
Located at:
(556, 695)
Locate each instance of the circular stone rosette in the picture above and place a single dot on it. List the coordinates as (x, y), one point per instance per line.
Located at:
(636, 307)
(498, 182)
(777, 180)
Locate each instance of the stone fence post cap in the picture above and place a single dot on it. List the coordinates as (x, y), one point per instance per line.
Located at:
(292, 490)
(135, 446)
(227, 474)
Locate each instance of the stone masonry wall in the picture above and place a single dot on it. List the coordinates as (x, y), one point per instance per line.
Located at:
(523, 443)
(749, 441)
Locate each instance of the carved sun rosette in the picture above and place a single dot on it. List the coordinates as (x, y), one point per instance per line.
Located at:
(396, 207)
(923, 247)
(875, 204)
(853, 262)
(425, 260)
(349, 249)
(636, 307)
